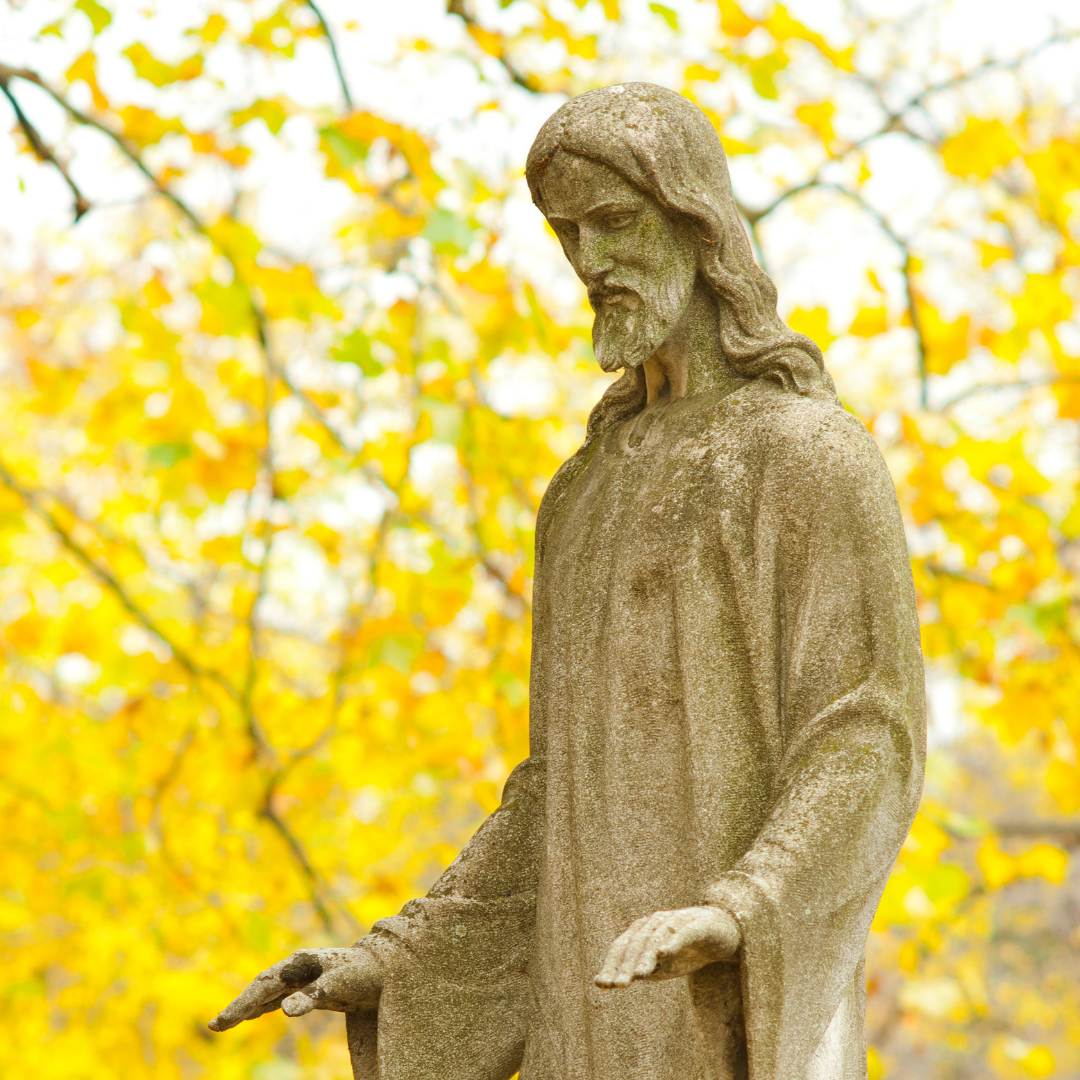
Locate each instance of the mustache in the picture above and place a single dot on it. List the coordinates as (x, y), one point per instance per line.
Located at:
(614, 295)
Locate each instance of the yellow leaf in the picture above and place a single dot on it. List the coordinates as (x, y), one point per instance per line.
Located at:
(875, 1070)
(155, 293)
(763, 72)
(1039, 1062)
(734, 146)
(222, 549)
(99, 17)
(272, 113)
(213, 28)
(982, 147)
(85, 68)
(1044, 861)
(1063, 782)
(785, 28)
(818, 118)
(946, 343)
(869, 323)
(145, 127)
(699, 72)
(291, 294)
(814, 323)
(491, 43)
(733, 21)
(997, 868)
(487, 795)
(1043, 303)
(1056, 169)
(239, 242)
(154, 71)
(667, 15)
(992, 253)
(226, 309)
(908, 958)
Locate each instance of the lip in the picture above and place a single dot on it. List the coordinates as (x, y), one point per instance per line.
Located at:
(614, 297)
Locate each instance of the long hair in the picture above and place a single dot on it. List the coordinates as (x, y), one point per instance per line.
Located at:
(665, 146)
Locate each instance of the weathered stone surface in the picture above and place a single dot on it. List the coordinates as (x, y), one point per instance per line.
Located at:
(727, 693)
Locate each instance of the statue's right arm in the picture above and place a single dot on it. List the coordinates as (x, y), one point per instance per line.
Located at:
(498, 863)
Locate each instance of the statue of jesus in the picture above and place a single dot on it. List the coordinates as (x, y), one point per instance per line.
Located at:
(727, 703)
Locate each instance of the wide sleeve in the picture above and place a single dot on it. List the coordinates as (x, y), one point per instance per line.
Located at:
(829, 603)
(454, 1000)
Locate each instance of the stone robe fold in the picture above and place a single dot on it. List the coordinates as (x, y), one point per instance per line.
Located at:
(727, 707)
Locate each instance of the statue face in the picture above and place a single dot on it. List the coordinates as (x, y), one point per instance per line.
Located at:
(638, 264)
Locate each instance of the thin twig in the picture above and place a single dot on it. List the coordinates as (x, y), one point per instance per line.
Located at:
(916, 324)
(114, 585)
(123, 144)
(41, 148)
(1020, 384)
(333, 53)
(299, 853)
(526, 82)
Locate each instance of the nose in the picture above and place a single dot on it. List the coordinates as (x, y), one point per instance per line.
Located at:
(594, 258)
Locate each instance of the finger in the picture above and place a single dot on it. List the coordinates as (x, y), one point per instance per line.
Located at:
(641, 942)
(644, 962)
(681, 933)
(261, 995)
(353, 986)
(615, 954)
(665, 939)
(268, 989)
(301, 968)
(298, 1004)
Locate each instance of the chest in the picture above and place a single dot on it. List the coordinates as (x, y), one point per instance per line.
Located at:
(635, 515)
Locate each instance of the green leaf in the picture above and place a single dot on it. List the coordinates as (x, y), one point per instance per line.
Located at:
(356, 349)
(98, 16)
(226, 308)
(148, 67)
(347, 150)
(763, 74)
(448, 233)
(666, 14)
(167, 454)
(270, 112)
(398, 651)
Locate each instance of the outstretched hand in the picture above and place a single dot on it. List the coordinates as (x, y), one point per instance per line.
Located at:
(668, 944)
(341, 980)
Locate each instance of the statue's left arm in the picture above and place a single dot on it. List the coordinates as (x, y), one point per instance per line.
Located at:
(851, 708)
(830, 606)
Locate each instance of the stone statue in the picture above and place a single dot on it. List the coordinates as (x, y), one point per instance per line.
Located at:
(727, 703)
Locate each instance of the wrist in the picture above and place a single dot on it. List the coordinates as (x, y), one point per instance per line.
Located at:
(728, 931)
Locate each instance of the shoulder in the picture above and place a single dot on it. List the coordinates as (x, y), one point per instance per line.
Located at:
(786, 431)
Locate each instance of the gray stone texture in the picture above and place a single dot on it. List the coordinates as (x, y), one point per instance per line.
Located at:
(727, 704)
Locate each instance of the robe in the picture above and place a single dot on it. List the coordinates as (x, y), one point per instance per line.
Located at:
(727, 708)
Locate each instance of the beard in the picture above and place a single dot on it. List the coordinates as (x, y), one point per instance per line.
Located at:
(634, 319)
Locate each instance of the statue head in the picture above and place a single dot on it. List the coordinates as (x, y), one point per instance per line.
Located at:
(634, 181)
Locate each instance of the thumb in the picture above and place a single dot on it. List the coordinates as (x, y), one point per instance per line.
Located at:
(350, 987)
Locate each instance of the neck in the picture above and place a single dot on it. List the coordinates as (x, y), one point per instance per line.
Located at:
(691, 360)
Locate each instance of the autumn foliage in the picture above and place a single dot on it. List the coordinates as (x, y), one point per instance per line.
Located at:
(267, 490)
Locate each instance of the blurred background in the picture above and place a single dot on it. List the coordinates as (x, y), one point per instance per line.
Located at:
(287, 359)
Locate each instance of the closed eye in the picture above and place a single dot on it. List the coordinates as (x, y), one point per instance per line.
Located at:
(619, 221)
